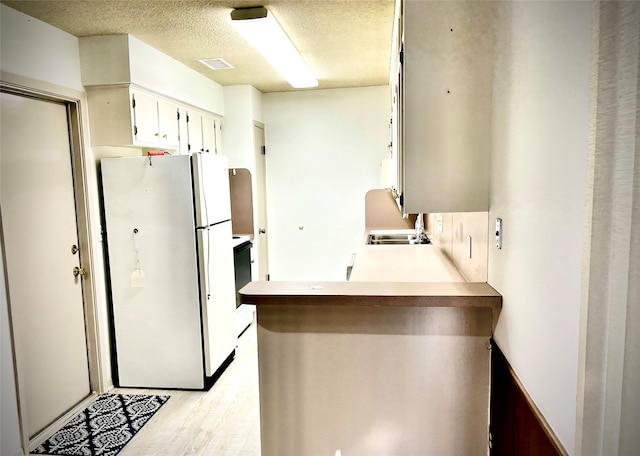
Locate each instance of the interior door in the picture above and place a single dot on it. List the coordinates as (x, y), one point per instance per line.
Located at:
(261, 201)
(39, 230)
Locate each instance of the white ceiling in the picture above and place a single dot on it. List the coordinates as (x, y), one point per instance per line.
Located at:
(346, 43)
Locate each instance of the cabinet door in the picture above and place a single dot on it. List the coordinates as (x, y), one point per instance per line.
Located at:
(194, 129)
(208, 133)
(145, 112)
(183, 134)
(168, 124)
(446, 112)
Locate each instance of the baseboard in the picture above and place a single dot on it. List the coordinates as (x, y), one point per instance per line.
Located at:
(517, 426)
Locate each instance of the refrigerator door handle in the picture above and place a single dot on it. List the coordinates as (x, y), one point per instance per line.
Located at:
(208, 263)
(204, 184)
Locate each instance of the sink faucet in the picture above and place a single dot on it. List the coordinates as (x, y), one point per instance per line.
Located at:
(420, 227)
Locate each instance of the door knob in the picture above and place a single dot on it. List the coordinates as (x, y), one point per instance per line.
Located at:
(261, 230)
(79, 271)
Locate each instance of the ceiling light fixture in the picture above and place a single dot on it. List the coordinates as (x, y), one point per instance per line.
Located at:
(261, 30)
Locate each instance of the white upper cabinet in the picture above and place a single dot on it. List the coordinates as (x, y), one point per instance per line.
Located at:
(124, 116)
(155, 121)
(444, 111)
(203, 131)
(168, 124)
(194, 131)
(209, 133)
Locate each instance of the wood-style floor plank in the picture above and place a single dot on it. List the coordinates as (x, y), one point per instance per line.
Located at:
(223, 421)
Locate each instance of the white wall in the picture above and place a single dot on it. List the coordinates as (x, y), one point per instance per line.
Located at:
(243, 105)
(40, 56)
(33, 49)
(540, 132)
(113, 59)
(324, 149)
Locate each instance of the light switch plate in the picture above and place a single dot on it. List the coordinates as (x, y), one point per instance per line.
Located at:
(499, 233)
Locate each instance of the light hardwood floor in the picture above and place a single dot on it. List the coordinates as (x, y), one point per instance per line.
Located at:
(223, 421)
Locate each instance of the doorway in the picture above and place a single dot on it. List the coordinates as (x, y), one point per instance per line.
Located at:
(44, 242)
(261, 201)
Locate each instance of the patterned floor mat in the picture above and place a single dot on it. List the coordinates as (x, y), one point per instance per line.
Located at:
(103, 428)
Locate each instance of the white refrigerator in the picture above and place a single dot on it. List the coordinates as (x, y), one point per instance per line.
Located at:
(171, 275)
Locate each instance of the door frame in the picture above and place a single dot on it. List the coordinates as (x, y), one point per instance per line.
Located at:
(98, 357)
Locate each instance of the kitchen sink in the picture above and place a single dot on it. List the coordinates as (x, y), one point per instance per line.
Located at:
(395, 239)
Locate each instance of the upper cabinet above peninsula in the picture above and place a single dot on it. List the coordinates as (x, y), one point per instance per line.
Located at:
(442, 105)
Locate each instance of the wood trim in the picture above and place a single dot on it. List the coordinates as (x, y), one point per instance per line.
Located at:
(516, 424)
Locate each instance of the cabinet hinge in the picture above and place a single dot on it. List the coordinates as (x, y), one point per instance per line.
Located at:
(133, 102)
(187, 118)
(135, 130)
(263, 149)
(178, 115)
(402, 57)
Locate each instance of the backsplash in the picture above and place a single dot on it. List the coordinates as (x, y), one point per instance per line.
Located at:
(463, 237)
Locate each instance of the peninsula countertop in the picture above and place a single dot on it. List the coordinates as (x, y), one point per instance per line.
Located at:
(384, 276)
(378, 294)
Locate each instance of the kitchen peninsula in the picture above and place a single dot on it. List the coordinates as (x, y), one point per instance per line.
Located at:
(376, 365)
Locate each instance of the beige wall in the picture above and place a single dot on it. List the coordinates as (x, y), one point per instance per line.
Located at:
(539, 135)
(464, 238)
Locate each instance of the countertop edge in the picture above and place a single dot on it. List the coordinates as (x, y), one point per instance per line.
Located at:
(393, 294)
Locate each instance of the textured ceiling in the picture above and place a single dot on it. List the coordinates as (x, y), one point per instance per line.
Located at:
(346, 43)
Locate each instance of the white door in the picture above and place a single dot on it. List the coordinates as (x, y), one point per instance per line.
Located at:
(148, 207)
(168, 130)
(146, 118)
(38, 230)
(219, 297)
(211, 185)
(208, 134)
(194, 132)
(261, 201)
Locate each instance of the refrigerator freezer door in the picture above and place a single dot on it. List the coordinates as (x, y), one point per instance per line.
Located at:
(211, 187)
(218, 297)
(149, 224)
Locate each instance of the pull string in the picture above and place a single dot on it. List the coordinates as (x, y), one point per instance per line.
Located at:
(137, 248)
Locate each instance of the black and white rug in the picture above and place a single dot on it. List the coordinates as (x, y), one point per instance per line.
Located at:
(105, 427)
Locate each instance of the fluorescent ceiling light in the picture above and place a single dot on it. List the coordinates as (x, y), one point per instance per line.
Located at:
(261, 30)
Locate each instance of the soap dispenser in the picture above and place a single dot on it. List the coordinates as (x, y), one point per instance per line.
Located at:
(419, 227)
